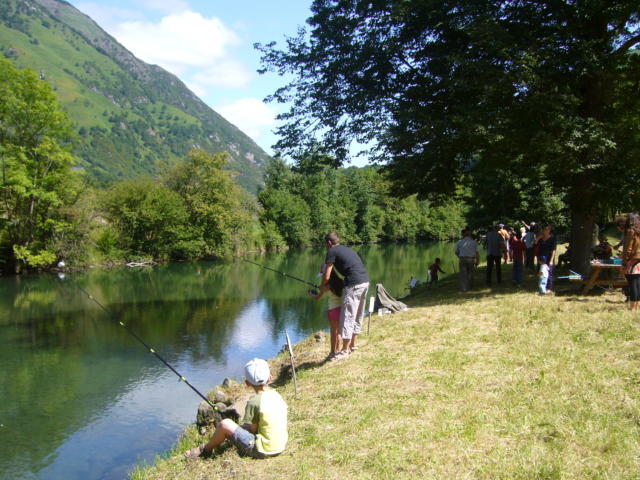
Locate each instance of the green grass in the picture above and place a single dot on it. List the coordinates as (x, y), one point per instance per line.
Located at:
(491, 384)
(54, 52)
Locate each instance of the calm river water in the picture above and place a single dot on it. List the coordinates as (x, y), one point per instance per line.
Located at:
(80, 399)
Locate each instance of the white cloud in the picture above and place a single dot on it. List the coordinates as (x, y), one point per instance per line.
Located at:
(250, 115)
(107, 16)
(225, 73)
(179, 41)
(203, 51)
(165, 6)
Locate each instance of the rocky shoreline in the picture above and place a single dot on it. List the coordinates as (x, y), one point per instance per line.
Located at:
(230, 397)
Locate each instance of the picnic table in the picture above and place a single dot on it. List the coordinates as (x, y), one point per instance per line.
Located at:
(615, 279)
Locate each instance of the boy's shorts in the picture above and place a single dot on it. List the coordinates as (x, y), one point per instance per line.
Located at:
(245, 442)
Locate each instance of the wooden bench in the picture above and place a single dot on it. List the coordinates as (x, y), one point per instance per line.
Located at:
(616, 280)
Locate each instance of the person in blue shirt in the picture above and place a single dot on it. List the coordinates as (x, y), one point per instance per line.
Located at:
(495, 248)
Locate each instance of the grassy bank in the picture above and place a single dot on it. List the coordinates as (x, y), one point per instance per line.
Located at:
(491, 384)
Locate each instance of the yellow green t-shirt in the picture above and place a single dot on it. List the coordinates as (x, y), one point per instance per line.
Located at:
(268, 410)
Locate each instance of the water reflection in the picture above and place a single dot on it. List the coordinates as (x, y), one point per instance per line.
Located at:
(81, 399)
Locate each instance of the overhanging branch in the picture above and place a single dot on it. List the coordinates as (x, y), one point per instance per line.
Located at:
(627, 45)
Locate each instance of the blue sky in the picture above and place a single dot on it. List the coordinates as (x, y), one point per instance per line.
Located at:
(208, 44)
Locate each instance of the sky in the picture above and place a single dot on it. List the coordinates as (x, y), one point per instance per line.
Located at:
(208, 44)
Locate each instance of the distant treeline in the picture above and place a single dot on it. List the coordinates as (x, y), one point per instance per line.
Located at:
(196, 210)
(300, 204)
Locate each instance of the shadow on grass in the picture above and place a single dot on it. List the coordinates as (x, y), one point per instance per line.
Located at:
(447, 292)
(285, 375)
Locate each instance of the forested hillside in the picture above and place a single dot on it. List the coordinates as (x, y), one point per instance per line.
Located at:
(132, 119)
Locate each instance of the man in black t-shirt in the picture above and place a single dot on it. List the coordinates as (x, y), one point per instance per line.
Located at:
(356, 284)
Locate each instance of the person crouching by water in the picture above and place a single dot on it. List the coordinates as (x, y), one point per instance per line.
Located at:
(433, 271)
(264, 430)
(334, 293)
(631, 259)
(356, 284)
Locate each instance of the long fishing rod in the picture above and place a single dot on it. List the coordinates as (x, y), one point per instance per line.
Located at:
(113, 318)
(283, 273)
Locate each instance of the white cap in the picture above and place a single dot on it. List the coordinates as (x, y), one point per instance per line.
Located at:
(257, 372)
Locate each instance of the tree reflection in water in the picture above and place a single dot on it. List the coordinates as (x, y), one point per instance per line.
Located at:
(69, 375)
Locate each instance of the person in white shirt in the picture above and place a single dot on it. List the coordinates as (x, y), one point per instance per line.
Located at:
(529, 239)
(468, 258)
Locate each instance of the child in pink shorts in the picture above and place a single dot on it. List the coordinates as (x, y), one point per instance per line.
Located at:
(334, 291)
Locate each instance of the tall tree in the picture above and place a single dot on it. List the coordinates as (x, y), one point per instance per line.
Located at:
(446, 87)
(283, 206)
(36, 177)
(219, 209)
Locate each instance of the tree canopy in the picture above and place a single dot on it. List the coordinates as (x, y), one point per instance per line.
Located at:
(220, 211)
(445, 89)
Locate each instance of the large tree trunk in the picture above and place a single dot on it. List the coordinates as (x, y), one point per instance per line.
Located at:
(582, 221)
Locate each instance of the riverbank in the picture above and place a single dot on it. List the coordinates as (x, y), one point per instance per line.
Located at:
(494, 383)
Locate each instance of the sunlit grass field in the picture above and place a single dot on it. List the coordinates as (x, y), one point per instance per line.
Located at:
(490, 384)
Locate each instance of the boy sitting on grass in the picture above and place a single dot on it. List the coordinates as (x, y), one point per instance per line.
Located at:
(264, 430)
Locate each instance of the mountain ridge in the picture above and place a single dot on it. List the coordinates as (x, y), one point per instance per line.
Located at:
(134, 119)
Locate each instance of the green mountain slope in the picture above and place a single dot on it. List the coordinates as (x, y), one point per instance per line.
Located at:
(133, 118)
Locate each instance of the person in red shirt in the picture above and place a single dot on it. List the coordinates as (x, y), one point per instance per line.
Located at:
(517, 247)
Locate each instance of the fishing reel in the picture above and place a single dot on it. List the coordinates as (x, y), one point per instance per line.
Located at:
(313, 292)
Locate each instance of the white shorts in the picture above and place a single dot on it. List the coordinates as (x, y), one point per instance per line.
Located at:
(354, 298)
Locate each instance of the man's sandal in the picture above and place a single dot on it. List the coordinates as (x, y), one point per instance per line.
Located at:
(340, 355)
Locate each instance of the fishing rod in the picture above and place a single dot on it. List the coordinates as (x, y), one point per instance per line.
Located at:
(283, 273)
(115, 320)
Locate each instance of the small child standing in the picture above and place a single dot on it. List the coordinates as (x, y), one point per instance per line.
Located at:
(264, 430)
(334, 291)
(543, 275)
(433, 271)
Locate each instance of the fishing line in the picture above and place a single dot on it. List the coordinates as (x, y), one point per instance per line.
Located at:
(283, 273)
(115, 320)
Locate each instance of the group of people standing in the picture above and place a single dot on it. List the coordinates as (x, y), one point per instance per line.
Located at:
(504, 245)
(523, 247)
